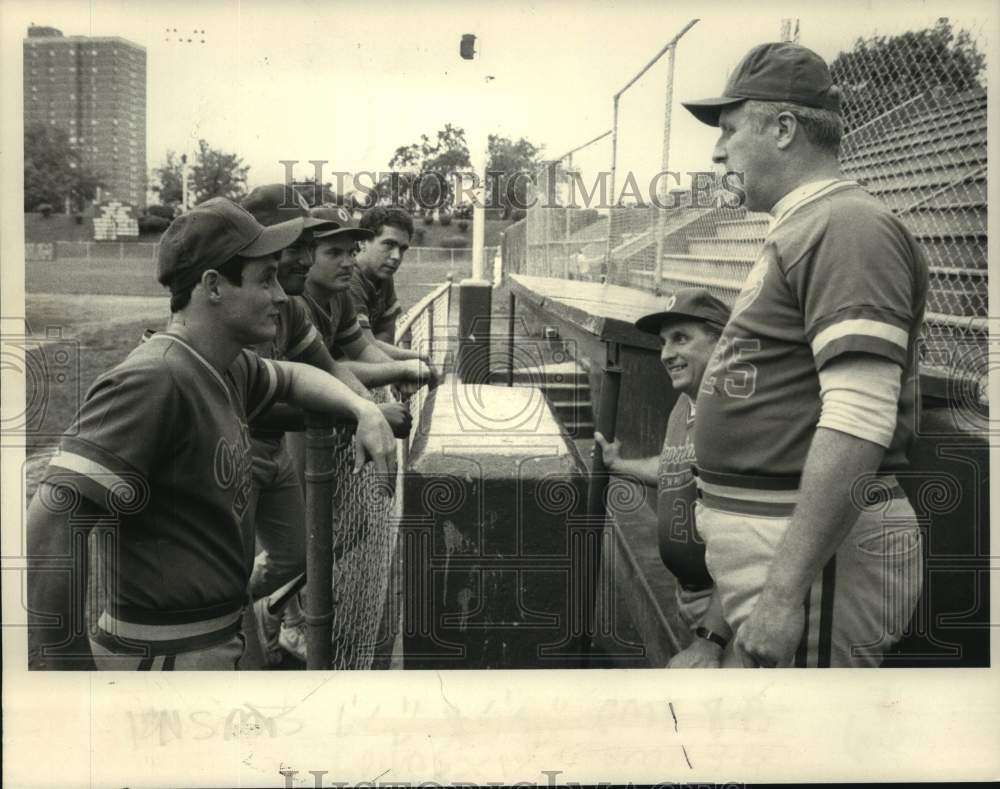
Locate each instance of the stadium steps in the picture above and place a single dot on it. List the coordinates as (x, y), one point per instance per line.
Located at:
(566, 387)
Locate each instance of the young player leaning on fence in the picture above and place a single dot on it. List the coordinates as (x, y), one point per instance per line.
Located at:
(372, 288)
(159, 461)
(327, 298)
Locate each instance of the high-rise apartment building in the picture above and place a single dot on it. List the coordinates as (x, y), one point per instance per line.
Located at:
(94, 89)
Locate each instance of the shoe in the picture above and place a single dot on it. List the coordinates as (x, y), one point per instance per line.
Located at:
(268, 632)
(293, 640)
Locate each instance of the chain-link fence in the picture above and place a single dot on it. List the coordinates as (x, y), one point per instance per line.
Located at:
(365, 506)
(427, 328)
(566, 229)
(914, 106)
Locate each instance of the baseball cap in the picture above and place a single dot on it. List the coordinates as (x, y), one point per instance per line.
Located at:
(212, 233)
(343, 223)
(686, 303)
(276, 203)
(776, 71)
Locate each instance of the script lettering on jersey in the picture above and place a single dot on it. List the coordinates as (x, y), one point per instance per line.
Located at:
(675, 465)
(232, 469)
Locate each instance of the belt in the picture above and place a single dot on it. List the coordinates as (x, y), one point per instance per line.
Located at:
(120, 636)
(777, 503)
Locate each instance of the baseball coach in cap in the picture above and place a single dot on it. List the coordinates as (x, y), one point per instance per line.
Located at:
(688, 325)
(807, 407)
(159, 455)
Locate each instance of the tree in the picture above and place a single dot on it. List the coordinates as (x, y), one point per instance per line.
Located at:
(425, 171)
(881, 72)
(54, 170)
(316, 194)
(505, 160)
(169, 187)
(214, 173)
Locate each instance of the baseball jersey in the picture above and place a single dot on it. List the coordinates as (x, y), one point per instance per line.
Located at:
(162, 442)
(681, 549)
(336, 321)
(375, 301)
(296, 340)
(837, 274)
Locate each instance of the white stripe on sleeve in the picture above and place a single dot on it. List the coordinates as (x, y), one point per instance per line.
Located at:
(863, 326)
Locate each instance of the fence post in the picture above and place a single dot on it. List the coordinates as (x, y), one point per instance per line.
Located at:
(611, 208)
(511, 306)
(319, 474)
(430, 331)
(605, 422)
(661, 213)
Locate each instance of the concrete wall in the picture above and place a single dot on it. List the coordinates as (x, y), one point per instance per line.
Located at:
(498, 556)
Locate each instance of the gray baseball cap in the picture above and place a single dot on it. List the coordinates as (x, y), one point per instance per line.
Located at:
(777, 71)
(686, 304)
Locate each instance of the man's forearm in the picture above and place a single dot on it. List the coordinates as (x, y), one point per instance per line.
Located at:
(373, 354)
(395, 352)
(348, 375)
(312, 389)
(644, 469)
(824, 514)
(379, 373)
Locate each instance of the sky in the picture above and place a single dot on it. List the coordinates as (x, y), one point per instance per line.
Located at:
(348, 82)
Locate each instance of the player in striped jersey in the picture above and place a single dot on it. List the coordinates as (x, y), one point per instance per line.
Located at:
(332, 309)
(278, 506)
(372, 288)
(159, 460)
(807, 406)
(688, 326)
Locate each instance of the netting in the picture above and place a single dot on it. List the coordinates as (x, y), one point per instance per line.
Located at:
(915, 113)
(566, 229)
(365, 528)
(914, 106)
(363, 546)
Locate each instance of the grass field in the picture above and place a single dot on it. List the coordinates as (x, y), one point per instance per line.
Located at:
(99, 308)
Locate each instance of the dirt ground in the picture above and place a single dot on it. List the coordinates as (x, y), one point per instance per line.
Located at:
(83, 317)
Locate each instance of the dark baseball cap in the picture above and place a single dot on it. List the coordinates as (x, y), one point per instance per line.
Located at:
(276, 203)
(342, 221)
(777, 71)
(686, 304)
(212, 233)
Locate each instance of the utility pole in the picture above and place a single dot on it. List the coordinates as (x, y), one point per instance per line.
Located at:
(184, 182)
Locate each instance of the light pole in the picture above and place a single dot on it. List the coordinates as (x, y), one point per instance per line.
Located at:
(184, 182)
(183, 37)
(476, 293)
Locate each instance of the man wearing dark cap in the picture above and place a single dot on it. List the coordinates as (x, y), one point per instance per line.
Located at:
(278, 506)
(158, 459)
(806, 409)
(688, 325)
(333, 311)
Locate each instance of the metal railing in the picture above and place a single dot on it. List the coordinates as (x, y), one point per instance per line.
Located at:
(915, 108)
(352, 528)
(426, 327)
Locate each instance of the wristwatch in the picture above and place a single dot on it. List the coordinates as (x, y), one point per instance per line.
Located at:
(715, 638)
